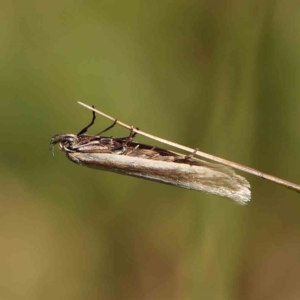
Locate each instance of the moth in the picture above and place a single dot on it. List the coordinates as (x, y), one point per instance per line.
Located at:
(127, 157)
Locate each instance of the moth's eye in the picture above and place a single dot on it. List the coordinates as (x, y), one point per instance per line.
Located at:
(68, 143)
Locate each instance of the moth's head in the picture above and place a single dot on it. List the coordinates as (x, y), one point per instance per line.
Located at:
(65, 141)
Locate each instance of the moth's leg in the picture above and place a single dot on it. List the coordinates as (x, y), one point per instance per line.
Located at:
(129, 151)
(109, 127)
(129, 139)
(132, 134)
(187, 159)
(84, 130)
(192, 154)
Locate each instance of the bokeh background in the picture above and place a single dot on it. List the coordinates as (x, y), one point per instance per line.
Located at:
(219, 75)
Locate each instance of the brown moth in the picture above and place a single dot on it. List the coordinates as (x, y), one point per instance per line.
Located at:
(124, 156)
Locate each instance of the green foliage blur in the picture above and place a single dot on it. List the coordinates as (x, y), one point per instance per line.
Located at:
(222, 76)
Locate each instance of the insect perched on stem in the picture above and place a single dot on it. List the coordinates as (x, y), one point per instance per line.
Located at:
(125, 156)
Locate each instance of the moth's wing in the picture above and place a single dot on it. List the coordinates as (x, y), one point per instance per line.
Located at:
(205, 177)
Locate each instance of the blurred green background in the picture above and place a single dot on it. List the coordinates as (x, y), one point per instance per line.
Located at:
(219, 75)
